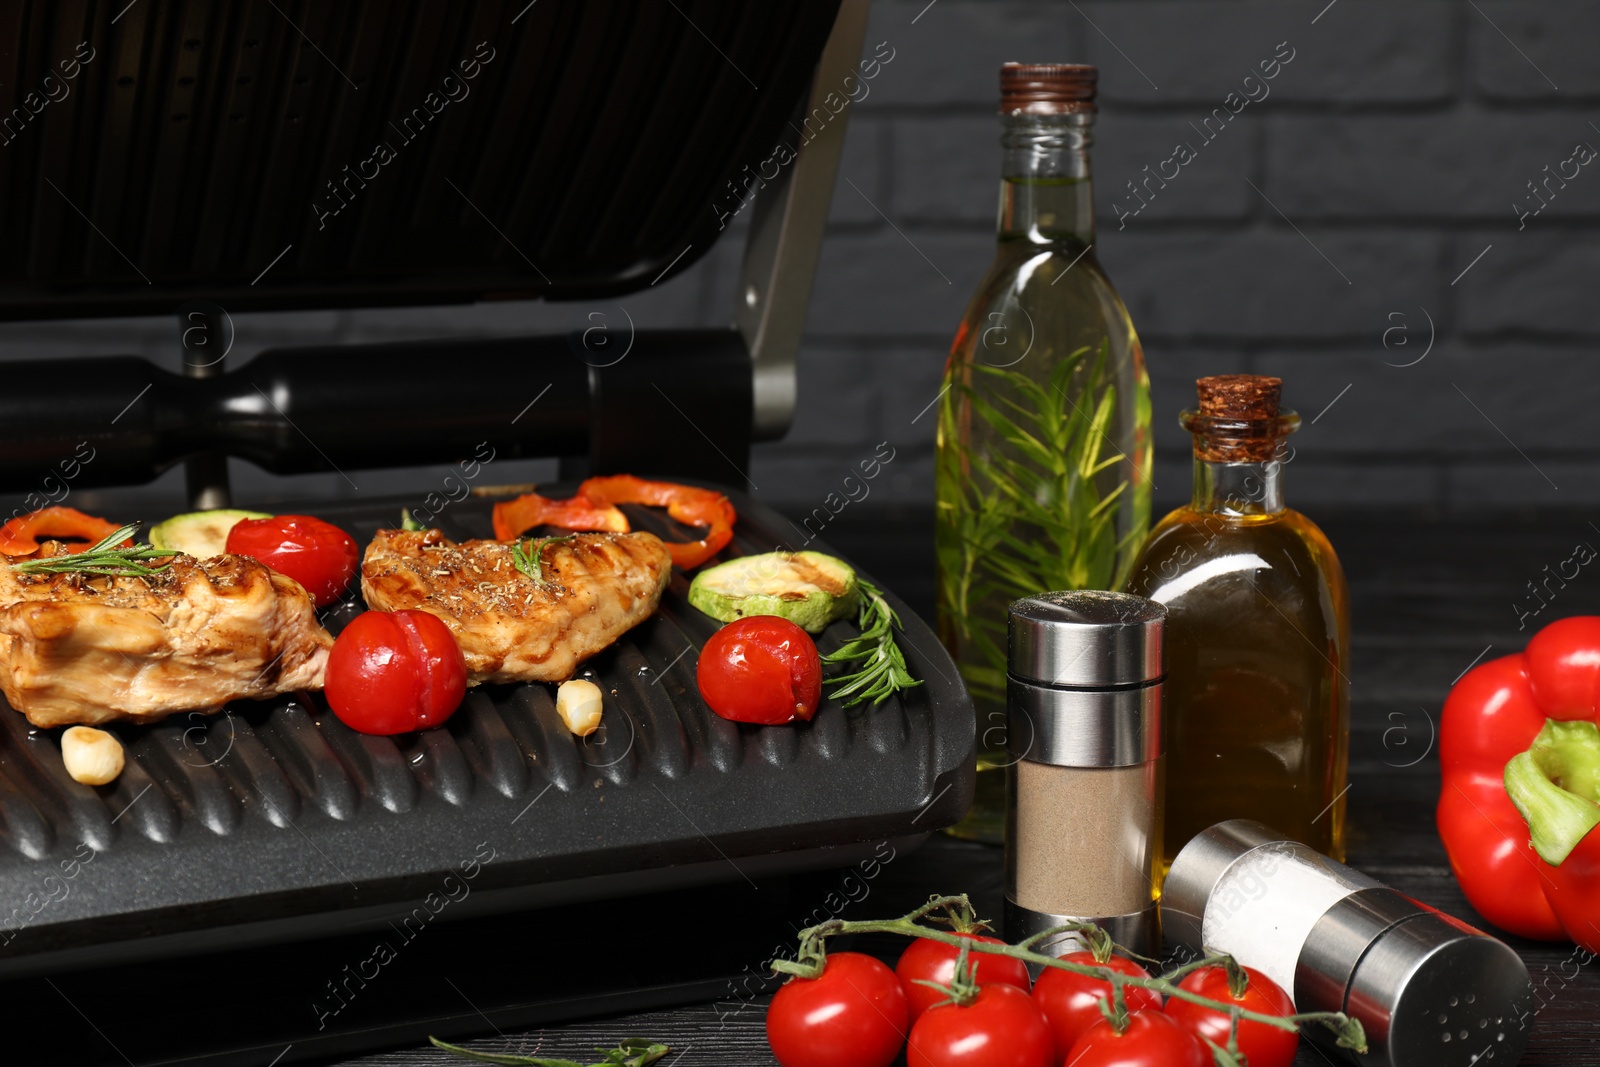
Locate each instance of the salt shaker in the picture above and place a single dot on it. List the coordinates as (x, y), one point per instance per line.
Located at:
(1084, 797)
(1429, 990)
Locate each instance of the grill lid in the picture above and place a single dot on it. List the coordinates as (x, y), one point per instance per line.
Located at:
(369, 152)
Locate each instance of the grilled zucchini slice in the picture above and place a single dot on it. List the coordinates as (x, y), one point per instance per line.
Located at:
(201, 534)
(809, 589)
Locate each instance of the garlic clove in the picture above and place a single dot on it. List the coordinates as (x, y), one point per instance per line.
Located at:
(92, 757)
(579, 704)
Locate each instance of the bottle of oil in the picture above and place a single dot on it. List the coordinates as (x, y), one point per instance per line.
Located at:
(1042, 477)
(1258, 692)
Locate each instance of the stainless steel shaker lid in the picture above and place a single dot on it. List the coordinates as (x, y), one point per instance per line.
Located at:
(1086, 638)
(1335, 945)
(1432, 990)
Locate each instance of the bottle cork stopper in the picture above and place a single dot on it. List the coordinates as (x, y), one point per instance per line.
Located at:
(1239, 396)
(1247, 398)
(1047, 88)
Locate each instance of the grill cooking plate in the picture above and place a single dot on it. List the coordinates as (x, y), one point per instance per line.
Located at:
(272, 820)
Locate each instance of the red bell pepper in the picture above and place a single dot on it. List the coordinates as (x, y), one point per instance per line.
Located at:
(1519, 749)
(1555, 784)
(1577, 893)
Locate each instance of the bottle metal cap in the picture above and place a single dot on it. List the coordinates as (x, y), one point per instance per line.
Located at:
(1086, 639)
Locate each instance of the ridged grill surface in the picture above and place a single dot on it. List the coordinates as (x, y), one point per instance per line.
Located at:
(276, 809)
(200, 141)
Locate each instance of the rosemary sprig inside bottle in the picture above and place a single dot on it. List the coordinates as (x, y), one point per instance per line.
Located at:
(527, 556)
(103, 557)
(880, 667)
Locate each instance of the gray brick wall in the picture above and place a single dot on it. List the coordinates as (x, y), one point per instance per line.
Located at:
(1385, 157)
(1384, 160)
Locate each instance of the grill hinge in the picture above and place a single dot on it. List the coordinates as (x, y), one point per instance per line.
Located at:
(787, 224)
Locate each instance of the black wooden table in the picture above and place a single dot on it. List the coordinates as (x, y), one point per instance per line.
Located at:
(1430, 597)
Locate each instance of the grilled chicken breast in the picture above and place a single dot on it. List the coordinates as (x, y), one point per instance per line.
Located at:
(594, 588)
(80, 649)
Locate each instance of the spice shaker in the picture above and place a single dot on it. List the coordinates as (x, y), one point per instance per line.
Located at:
(1083, 736)
(1430, 990)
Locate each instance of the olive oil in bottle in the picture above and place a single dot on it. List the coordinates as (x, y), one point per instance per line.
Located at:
(1042, 470)
(1257, 697)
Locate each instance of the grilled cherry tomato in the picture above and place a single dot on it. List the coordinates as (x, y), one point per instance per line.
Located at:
(22, 535)
(1262, 1045)
(1152, 1039)
(1002, 1027)
(852, 1015)
(1071, 1002)
(761, 669)
(394, 672)
(926, 960)
(317, 554)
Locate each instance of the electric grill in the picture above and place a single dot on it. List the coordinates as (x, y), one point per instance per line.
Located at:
(197, 159)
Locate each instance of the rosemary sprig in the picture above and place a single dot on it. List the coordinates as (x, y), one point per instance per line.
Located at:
(880, 664)
(102, 558)
(1029, 496)
(527, 556)
(632, 1052)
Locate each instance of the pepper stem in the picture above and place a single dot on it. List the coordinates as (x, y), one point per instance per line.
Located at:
(1555, 785)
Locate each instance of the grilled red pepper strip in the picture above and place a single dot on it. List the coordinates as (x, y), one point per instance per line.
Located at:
(22, 535)
(1496, 712)
(514, 517)
(687, 504)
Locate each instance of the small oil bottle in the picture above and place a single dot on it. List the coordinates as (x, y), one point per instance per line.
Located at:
(1258, 627)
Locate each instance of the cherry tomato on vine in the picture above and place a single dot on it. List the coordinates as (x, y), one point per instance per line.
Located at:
(927, 960)
(317, 554)
(394, 672)
(1152, 1039)
(851, 1015)
(1002, 1027)
(761, 669)
(1262, 1045)
(1071, 1002)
